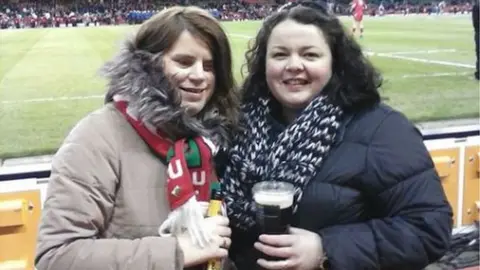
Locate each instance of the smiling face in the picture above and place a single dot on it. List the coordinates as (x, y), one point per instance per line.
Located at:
(298, 63)
(188, 64)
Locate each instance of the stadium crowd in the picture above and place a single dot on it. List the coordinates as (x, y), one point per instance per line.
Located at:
(47, 13)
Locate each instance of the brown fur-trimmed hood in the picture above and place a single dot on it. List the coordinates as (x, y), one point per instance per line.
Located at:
(138, 75)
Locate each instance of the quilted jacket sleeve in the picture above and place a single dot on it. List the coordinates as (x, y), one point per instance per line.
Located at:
(413, 220)
(79, 205)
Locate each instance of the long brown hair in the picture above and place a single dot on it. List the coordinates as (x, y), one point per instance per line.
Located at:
(137, 72)
(162, 30)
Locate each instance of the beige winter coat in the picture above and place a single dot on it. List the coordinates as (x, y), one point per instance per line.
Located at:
(105, 202)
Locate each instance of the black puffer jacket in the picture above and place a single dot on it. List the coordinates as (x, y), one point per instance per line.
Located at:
(376, 202)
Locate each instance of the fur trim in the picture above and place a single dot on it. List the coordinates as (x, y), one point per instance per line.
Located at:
(139, 75)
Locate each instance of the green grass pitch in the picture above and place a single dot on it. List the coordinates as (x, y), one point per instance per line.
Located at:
(48, 77)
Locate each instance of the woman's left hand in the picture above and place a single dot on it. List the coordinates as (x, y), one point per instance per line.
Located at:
(301, 249)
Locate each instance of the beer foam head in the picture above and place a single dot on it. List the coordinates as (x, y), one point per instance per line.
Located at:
(281, 199)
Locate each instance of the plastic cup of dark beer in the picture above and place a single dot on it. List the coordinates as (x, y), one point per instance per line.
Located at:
(273, 202)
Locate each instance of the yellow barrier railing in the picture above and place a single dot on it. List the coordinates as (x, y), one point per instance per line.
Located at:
(20, 211)
(19, 217)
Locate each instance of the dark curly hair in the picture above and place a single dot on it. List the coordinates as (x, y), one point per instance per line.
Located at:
(355, 82)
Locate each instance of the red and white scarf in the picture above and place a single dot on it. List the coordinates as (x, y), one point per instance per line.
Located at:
(190, 174)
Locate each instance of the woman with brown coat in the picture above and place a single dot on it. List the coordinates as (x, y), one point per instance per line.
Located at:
(144, 160)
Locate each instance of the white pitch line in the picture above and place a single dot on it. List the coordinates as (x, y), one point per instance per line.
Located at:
(51, 99)
(55, 99)
(389, 53)
(436, 74)
(424, 52)
(395, 55)
(421, 60)
(240, 36)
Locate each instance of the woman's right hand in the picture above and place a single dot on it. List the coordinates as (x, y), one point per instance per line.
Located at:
(218, 247)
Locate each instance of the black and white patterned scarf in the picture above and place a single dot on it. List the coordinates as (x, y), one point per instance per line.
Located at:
(260, 153)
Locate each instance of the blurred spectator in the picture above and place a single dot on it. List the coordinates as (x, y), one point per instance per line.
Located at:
(475, 20)
(47, 13)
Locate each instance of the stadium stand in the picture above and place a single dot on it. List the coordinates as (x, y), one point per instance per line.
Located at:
(31, 14)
